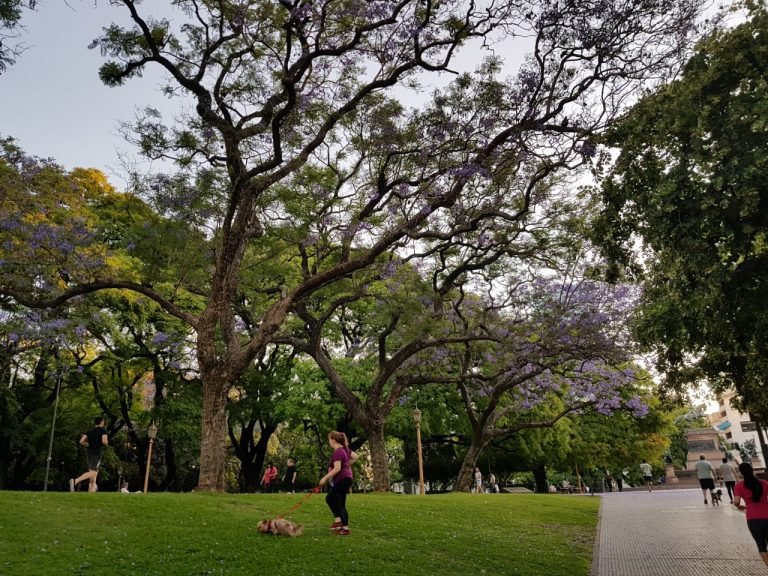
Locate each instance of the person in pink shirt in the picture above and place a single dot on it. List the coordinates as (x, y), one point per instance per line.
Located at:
(269, 479)
(340, 476)
(751, 494)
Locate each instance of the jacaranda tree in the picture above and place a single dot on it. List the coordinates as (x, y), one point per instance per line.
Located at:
(298, 95)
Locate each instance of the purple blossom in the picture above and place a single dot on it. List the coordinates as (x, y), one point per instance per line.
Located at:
(55, 324)
(390, 269)
(160, 337)
(439, 354)
(638, 406)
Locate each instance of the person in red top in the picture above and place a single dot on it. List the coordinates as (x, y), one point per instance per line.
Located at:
(340, 475)
(751, 494)
(269, 479)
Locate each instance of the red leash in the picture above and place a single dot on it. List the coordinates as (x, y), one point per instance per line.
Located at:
(298, 504)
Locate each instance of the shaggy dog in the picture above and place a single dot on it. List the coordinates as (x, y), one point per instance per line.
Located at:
(717, 496)
(280, 526)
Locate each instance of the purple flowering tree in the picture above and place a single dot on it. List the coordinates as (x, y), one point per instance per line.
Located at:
(561, 343)
(367, 335)
(291, 148)
(137, 362)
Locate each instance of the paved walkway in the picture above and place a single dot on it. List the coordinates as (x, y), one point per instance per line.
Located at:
(672, 533)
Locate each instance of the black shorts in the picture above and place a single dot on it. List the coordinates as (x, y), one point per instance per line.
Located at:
(707, 483)
(758, 527)
(93, 462)
(648, 478)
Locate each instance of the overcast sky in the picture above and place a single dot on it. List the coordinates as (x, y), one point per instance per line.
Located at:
(52, 100)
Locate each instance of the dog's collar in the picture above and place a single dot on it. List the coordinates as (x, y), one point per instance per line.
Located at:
(269, 525)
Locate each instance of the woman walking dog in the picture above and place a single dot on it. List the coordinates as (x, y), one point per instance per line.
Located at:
(340, 476)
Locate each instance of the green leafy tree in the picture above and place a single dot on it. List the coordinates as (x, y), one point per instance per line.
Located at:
(374, 343)
(689, 188)
(255, 412)
(286, 90)
(601, 444)
(137, 362)
(10, 18)
(116, 341)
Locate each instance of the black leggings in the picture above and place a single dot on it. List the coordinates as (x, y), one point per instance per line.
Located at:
(337, 499)
(729, 485)
(758, 527)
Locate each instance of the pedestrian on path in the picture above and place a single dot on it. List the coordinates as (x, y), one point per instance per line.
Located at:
(647, 472)
(94, 440)
(706, 475)
(750, 495)
(728, 477)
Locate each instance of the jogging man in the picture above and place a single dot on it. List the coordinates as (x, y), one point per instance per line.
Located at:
(94, 440)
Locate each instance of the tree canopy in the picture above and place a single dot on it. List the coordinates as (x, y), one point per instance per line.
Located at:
(295, 168)
(689, 190)
(10, 18)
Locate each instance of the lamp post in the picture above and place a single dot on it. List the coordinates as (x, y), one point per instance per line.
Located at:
(151, 434)
(417, 421)
(53, 429)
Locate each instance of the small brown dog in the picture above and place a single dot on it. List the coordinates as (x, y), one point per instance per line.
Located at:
(280, 526)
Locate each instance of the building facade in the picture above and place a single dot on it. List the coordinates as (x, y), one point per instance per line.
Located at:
(736, 428)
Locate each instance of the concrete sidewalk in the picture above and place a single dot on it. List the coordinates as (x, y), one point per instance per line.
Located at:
(672, 533)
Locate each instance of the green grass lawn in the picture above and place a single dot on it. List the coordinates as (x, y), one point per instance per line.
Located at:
(110, 534)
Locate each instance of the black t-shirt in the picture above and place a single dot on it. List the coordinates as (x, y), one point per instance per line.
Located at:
(94, 440)
(289, 472)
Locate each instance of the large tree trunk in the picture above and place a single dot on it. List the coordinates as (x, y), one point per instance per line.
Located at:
(466, 472)
(252, 456)
(379, 460)
(213, 445)
(171, 470)
(250, 475)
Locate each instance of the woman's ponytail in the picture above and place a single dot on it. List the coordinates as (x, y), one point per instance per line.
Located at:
(751, 481)
(340, 438)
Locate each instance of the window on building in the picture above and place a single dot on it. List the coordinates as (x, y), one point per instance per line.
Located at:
(728, 435)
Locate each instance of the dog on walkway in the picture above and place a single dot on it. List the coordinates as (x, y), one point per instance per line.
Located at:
(717, 497)
(280, 527)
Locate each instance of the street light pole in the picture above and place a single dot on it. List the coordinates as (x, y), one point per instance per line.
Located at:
(152, 434)
(53, 429)
(417, 420)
